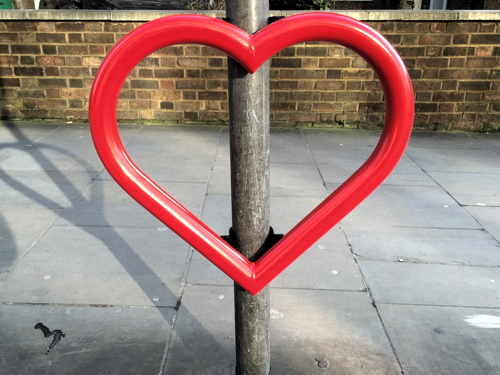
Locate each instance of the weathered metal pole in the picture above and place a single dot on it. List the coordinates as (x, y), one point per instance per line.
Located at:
(249, 143)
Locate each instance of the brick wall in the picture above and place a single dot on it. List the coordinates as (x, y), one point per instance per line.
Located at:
(47, 69)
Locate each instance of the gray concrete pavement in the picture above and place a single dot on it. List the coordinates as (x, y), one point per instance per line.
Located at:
(409, 282)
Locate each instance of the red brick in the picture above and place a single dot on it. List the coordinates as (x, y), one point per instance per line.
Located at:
(192, 50)
(285, 74)
(10, 82)
(327, 107)
(9, 38)
(51, 71)
(169, 73)
(95, 61)
(35, 113)
(123, 27)
(283, 106)
(450, 85)
(283, 85)
(167, 84)
(447, 107)
(196, 84)
(472, 107)
(432, 62)
(484, 62)
(354, 85)
(329, 85)
(98, 38)
(304, 117)
(484, 51)
(461, 39)
(351, 96)
(304, 107)
(190, 62)
(462, 27)
(286, 63)
(363, 74)
(21, 49)
(437, 27)
(50, 38)
(412, 27)
(212, 95)
(52, 82)
(172, 51)
(52, 103)
(306, 85)
(434, 39)
(21, 26)
(474, 86)
(193, 73)
(69, 26)
(214, 73)
(53, 93)
(312, 51)
(334, 63)
(77, 49)
(449, 96)
(311, 74)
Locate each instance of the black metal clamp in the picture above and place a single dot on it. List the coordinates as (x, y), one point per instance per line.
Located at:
(271, 240)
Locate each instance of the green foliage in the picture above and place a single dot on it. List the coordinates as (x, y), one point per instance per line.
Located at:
(315, 4)
(205, 4)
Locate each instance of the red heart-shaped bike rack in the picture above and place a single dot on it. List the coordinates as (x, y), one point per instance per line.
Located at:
(252, 51)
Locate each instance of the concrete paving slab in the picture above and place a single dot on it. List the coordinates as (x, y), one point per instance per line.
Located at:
(492, 140)
(321, 268)
(488, 217)
(80, 133)
(443, 340)
(100, 265)
(286, 179)
(445, 140)
(334, 326)
(406, 172)
(60, 157)
(175, 154)
(203, 337)
(289, 146)
(22, 133)
(296, 180)
(471, 189)
(105, 203)
(53, 189)
(181, 136)
(20, 227)
(340, 333)
(286, 212)
(455, 160)
(409, 206)
(425, 245)
(99, 340)
(324, 140)
(432, 284)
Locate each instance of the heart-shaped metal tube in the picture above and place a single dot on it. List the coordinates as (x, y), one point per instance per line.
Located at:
(251, 51)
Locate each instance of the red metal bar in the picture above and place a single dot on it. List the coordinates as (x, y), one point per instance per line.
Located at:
(251, 51)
